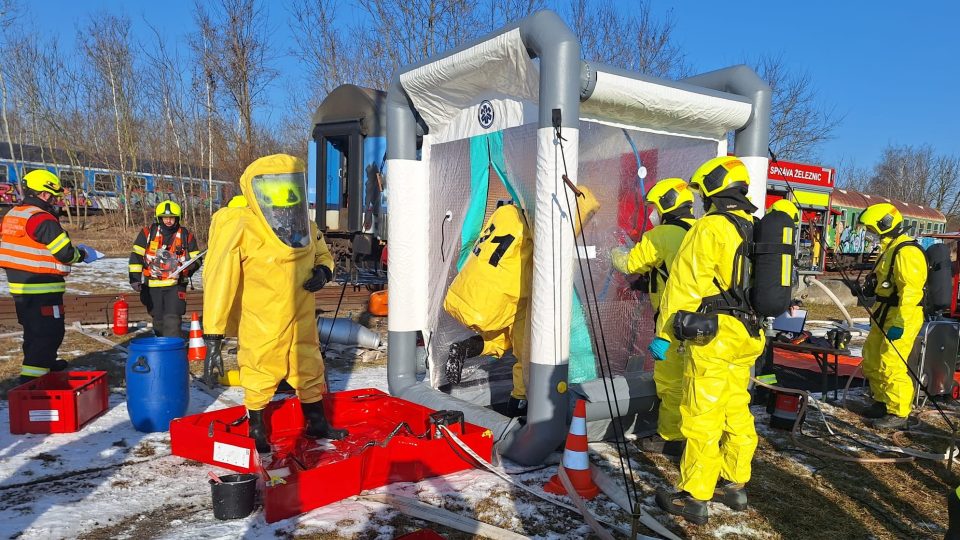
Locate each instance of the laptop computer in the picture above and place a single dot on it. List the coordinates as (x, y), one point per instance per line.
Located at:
(791, 322)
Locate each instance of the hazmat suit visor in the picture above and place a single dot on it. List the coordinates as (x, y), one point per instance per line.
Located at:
(283, 203)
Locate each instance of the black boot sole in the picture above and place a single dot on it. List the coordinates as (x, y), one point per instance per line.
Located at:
(665, 502)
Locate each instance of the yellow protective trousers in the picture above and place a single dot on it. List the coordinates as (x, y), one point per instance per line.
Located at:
(668, 375)
(512, 338)
(882, 366)
(715, 409)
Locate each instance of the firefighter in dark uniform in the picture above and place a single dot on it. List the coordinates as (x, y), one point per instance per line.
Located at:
(36, 254)
(158, 252)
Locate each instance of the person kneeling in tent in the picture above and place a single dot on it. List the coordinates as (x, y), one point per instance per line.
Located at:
(492, 290)
(269, 259)
(652, 257)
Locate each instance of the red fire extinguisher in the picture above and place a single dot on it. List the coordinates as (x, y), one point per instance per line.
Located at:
(120, 313)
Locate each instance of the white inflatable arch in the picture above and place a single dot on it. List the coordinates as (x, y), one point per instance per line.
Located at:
(491, 111)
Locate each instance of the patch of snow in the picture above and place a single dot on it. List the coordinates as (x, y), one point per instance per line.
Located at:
(737, 531)
(107, 274)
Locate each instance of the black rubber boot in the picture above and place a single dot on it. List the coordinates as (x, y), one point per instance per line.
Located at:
(684, 505)
(459, 352)
(890, 422)
(317, 425)
(734, 496)
(60, 365)
(258, 431)
(877, 410)
(658, 445)
(516, 407)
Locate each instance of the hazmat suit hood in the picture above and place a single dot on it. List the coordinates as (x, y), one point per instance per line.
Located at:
(275, 189)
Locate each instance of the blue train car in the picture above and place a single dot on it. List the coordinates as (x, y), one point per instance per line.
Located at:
(97, 188)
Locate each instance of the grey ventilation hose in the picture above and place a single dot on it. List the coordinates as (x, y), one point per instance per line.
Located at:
(846, 315)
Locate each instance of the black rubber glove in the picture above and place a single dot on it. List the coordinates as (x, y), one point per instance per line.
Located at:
(321, 275)
(136, 285)
(213, 363)
(642, 283)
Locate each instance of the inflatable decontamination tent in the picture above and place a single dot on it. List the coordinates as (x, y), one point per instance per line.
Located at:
(508, 117)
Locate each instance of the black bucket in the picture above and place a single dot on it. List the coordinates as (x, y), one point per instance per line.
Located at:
(234, 497)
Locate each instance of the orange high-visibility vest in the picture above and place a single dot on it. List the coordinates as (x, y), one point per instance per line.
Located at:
(19, 251)
(150, 253)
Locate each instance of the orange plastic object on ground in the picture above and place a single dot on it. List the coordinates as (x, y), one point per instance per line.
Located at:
(378, 303)
(59, 402)
(576, 461)
(391, 440)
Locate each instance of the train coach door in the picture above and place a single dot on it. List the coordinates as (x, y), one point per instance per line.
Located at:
(339, 170)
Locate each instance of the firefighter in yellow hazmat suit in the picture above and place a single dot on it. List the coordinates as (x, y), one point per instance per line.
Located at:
(707, 283)
(653, 256)
(268, 258)
(491, 292)
(897, 282)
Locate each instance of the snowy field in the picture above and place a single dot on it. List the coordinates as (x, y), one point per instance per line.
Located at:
(106, 275)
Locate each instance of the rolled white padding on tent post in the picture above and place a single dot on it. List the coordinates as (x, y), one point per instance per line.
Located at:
(347, 332)
(407, 257)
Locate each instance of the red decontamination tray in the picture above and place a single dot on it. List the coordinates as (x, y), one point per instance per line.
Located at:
(391, 440)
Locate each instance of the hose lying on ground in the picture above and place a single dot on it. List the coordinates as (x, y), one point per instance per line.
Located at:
(645, 518)
(909, 454)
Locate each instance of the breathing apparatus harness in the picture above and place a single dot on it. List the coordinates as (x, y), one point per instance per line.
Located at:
(873, 282)
(735, 300)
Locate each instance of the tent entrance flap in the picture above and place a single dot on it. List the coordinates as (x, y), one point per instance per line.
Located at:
(486, 154)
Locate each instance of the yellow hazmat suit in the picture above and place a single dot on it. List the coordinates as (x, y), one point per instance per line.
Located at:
(899, 306)
(657, 247)
(715, 404)
(491, 291)
(259, 256)
(490, 294)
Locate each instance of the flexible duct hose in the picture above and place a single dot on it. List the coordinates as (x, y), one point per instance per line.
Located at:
(846, 315)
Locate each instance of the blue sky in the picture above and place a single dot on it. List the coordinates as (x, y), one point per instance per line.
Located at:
(891, 68)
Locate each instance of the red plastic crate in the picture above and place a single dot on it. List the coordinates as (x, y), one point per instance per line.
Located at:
(60, 402)
(314, 476)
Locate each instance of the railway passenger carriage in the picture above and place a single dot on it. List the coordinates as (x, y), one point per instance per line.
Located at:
(98, 188)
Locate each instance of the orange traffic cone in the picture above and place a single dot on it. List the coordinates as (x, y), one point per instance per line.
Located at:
(196, 349)
(575, 460)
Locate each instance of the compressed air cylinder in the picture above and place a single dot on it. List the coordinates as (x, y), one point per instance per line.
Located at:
(347, 332)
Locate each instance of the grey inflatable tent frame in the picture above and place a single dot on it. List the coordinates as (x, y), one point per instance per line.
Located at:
(565, 81)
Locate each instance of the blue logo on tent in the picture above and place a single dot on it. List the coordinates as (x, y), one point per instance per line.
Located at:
(485, 114)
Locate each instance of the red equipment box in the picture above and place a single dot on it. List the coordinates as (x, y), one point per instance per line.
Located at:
(60, 402)
(391, 440)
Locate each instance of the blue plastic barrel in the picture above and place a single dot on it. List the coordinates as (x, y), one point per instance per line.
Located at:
(158, 382)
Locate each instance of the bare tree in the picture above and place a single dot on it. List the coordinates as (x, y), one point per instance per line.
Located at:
(918, 175)
(9, 12)
(107, 43)
(799, 121)
(236, 47)
(628, 36)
